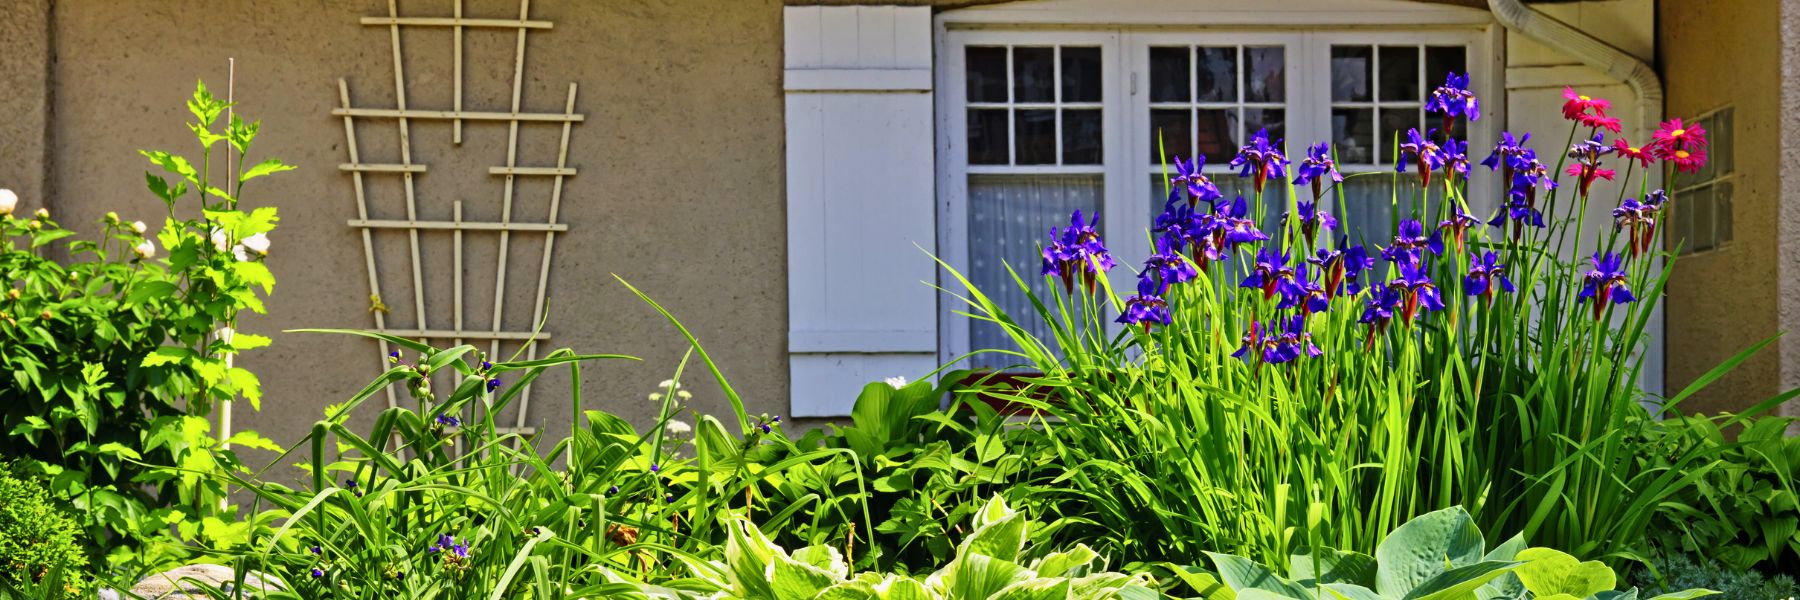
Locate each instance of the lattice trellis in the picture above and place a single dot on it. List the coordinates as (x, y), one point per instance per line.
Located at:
(407, 170)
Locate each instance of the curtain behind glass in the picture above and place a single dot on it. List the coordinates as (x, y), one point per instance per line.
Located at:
(1010, 217)
(1366, 208)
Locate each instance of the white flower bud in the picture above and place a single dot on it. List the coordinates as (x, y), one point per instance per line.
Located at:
(896, 382)
(43, 213)
(144, 249)
(258, 244)
(139, 227)
(8, 201)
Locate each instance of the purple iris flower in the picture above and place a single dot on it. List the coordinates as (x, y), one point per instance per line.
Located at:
(1261, 160)
(1168, 265)
(1270, 270)
(1278, 341)
(1300, 292)
(1356, 262)
(1520, 213)
(1077, 250)
(1454, 98)
(1178, 222)
(317, 572)
(1416, 291)
(1236, 226)
(1199, 187)
(1606, 282)
(1411, 242)
(1311, 219)
(1639, 218)
(1147, 307)
(1383, 301)
(1317, 166)
(1331, 269)
(1456, 158)
(1486, 275)
(1586, 167)
(1505, 150)
(1424, 154)
(1458, 224)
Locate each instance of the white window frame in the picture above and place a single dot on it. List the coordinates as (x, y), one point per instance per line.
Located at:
(1125, 50)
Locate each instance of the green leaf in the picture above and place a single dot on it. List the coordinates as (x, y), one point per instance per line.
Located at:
(981, 576)
(251, 439)
(1073, 563)
(826, 558)
(901, 587)
(1241, 575)
(173, 164)
(150, 290)
(1331, 566)
(1460, 582)
(1547, 571)
(1425, 547)
(118, 449)
(267, 167)
(999, 532)
(167, 355)
(748, 554)
(1685, 594)
(241, 341)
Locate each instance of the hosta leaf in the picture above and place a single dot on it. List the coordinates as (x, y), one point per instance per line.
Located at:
(1460, 582)
(1684, 595)
(1548, 571)
(901, 587)
(999, 532)
(1072, 563)
(794, 580)
(1348, 591)
(826, 558)
(1424, 547)
(748, 555)
(1243, 575)
(1332, 566)
(1041, 588)
(980, 576)
(1506, 586)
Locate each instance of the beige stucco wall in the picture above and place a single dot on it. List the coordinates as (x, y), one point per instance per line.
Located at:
(680, 185)
(1715, 54)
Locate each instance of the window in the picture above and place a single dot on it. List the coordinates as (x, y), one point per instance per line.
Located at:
(1701, 202)
(1034, 124)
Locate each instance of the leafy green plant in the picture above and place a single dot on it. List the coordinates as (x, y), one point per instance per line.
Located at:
(119, 352)
(40, 545)
(989, 564)
(1440, 555)
(1743, 512)
(1678, 571)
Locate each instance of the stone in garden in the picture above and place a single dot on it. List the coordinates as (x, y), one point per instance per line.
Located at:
(180, 583)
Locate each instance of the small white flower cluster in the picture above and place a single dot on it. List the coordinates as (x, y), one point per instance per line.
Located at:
(669, 386)
(896, 382)
(257, 244)
(677, 427)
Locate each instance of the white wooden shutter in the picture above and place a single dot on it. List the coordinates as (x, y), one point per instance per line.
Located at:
(860, 201)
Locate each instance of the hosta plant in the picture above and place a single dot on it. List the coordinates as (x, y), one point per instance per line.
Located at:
(990, 564)
(1440, 555)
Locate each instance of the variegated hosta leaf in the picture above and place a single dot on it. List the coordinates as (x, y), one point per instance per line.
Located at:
(1548, 572)
(826, 558)
(978, 576)
(1425, 547)
(999, 532)
(1039, 588)
(901, 587)
(1075, 562)
(750, 557)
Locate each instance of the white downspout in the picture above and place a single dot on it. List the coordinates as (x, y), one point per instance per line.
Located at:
(1643, 81)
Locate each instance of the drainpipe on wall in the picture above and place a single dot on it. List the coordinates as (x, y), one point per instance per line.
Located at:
(1644, 83)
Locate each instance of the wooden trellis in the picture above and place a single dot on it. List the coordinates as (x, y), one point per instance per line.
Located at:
(407, 170)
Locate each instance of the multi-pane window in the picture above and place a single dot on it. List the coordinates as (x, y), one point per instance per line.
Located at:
(1377, 94)
(1206, 101)
(1700, 203)
(1035, 155)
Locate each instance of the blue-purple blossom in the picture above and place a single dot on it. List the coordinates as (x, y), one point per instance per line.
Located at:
(1456, 158)
(1269, 271)
(1458, 225)
(1521, 213)
(1317, 166)
(1486, 276)
(1168, 265)
(1418, 150)
(1357, 261)
(1383, 301)
(493, 383)
(1586, 166)
(1311, 219)
(1260, 160)
(1416, 291)
(1300, 292)
(448, 421)
(1278, 341)
(1454, 98)
(1606, 282)
(317, 572)
(1147, 307)
(1233, 223)
(1188, 175)
(1411, 242)
(1506, 150)
(1077, 250)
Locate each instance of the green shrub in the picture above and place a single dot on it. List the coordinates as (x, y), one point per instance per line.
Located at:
(1741, 513)
(1679, 571)
(38, 536)
(116, 355)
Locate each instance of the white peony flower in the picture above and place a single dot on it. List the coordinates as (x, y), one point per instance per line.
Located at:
(43, 213)
(258, 244)
(8, 201)
(238, 252)
(221, 241)
(677, 428)
(139, 227)
(144, 249)
(896, 382)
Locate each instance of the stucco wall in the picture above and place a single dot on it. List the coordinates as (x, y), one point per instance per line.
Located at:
(1716, 54)
(679, 191)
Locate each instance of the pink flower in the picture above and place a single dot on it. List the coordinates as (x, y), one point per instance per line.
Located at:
(1588, 173)
(1629, 152)
(1576, 105)
(1687, 161)
(1673, 135)
(1600, 121)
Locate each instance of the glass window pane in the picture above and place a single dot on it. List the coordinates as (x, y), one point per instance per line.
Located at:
(1217, 74)
(1700, 204)
(1719, 143)
(1369, 205)
(1171, 132)
(1034, 137)
(1394, 124)
(1034, 74)
(1081, 137)
(1351, 69)
(1273, 119)
(1353, 134)
(1722, 204)
(1169, 74)
(1440, 61)
(1399, 74)
(986, 77)
(1265, 74)
(1216, 134)
(1010, 217)
(987, 136)
(1081, 74)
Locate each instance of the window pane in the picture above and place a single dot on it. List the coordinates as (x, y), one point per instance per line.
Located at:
(986, 73)
(1265, 74)
(1081, 74)
(1394, 124)
(1034, 74)
(1035, 137)
(1081, 137)
(1399, 74)
(1719, 142)
(1722, 204)
(1216, 135)
(987, 136)
(1273, 119)
(1441, 61)
(1171, 131)
(1009, 219)
(1169, 74)
(1351, 69)
(1353, 134)
(1217, 74)
(1700, 205)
